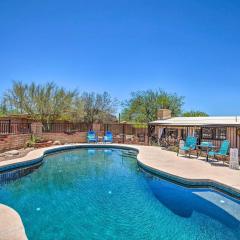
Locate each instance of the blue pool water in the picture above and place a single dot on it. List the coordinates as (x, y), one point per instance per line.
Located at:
(102, 194)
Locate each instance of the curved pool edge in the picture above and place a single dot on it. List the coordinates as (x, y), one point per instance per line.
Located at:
(192, 183)
(36, 156)
(11, 225)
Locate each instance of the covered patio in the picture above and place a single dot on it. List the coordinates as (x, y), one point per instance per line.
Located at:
(168, 132)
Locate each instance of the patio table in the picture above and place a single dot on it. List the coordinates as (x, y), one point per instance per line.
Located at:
(206, 148)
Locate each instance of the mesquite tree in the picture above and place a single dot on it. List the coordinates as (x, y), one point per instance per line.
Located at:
(99, 107)
(143, 105)
(45, 102)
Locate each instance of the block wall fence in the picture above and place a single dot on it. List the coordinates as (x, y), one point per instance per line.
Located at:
(19, 140)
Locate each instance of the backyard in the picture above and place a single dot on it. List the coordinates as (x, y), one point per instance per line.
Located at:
(119, 120)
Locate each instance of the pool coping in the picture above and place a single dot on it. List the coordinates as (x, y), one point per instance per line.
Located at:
(193, 183)
(37, 156)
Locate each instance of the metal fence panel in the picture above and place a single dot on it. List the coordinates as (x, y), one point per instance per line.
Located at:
(9, 127)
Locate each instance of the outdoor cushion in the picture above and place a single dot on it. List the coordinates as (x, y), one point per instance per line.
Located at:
(108, 137)
(191, 142)
(185, 148)
(223, 151)
(91, 137)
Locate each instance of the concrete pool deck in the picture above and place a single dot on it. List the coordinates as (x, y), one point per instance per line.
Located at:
(188, 168)
(150, 157)
(11, 226)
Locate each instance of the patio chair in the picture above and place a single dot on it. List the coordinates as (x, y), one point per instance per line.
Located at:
(222, 152)
(92, 137)
(189, 146)
(108, 138)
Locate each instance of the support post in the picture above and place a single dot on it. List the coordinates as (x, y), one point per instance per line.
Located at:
(9, 126)
(123, 132)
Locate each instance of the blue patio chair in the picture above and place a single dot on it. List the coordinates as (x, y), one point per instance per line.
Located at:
(222, 152)
(108, 138)
(92, 137)
(189, 146)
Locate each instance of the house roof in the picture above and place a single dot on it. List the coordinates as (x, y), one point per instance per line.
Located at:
(199, 121)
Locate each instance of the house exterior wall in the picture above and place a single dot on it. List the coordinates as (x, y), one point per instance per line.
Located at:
(233, 134)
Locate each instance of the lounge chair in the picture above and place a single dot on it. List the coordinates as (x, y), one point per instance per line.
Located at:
(223, 151)
(189, 146)
(92, 137)
(108, 138)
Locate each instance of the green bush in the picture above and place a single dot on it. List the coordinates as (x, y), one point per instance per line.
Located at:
(33, 140)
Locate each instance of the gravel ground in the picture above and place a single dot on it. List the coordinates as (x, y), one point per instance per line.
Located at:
(21, 153)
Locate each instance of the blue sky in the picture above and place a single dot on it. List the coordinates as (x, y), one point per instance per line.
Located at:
(191, 47)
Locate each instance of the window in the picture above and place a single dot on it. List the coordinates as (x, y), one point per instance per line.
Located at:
(214, 133)
(207, 133)
(221, 133)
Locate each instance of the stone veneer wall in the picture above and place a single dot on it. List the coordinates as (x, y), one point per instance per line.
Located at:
(14, 142)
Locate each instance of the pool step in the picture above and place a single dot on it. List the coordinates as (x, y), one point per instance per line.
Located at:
(129, 153)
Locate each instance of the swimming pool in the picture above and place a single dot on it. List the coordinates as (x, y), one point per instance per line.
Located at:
(103, 194)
